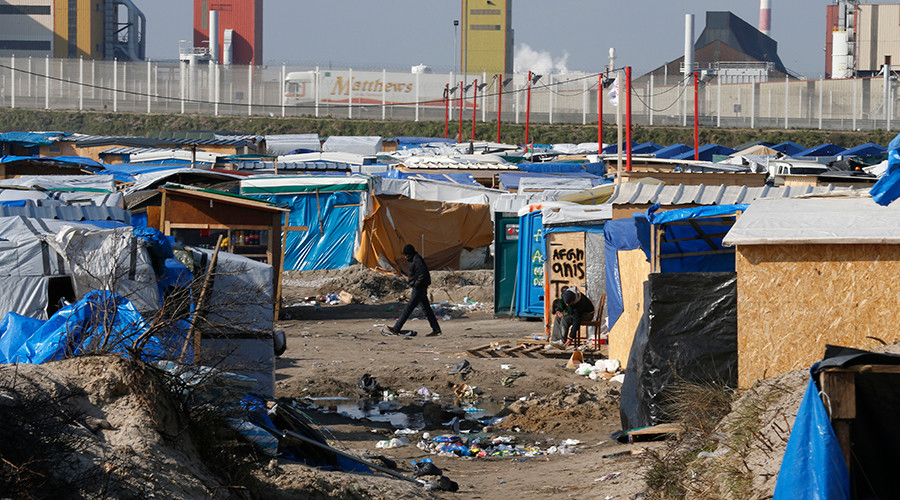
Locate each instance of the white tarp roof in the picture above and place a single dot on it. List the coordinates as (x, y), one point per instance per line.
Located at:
(464, 162)
(63, 182)
(557, 183)
(833, 220)
(427, 189)
(362, 145)
(184, 155)
(512, 202)
(144, 181)
(576, 149)
(569, 213)
(337, 157)
(282, 144)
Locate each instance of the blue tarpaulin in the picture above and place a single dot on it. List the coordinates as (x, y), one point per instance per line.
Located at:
(822, 150)
(614, 148)
(458, 178)
(706, 152)
(510, 180)
(685, 238)
(620, 235)
(80, 328)
(31, 139)
(867, 149)
(68, 160)
(563, 168)
(530, 274)
(789, 148)
(813, 467)
(332, 225)
(673, 151)
(646, 148)
(887, 189)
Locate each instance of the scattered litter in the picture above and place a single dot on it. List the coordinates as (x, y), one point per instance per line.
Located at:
(620, 378)
(506, 367)
(406, 431)
(424, 392)
(462, 368)
(714, 454)
(508, 381)
(392, 443)
(345, 297)
(602, 369)
(611, 475)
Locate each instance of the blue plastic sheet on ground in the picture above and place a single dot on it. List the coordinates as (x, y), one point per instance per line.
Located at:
(887, 189)
(100, 319)
(619, 235)
(332, 224)
(813, 467)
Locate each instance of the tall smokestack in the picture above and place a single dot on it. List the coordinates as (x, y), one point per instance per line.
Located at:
(214, 35)
(688, 44)
(765, 16)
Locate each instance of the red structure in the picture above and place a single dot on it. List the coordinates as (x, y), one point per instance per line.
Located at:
(245, 17)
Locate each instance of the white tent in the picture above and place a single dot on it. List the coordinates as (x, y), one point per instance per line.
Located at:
(362, 145)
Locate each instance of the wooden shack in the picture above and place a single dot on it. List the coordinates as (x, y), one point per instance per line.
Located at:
(250, 227)
(812, 272)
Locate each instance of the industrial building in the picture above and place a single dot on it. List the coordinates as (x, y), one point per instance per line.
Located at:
(230, 31)
(487, 37)
(861, 38)
(733, 49)
(92, 29)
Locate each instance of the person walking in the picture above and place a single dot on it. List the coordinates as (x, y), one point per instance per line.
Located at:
(419, 281)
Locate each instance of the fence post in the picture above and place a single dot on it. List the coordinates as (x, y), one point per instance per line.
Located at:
(650, 98)
(30, 74)
(12, 87)
(317, 91)
(283, 78)
(483, 107)
(550, 107)
(93, 79)
(752, 104)
(250, 89)
(584, 100)
(786, 99)
(417, 95)
(47, 83)
(183, 82)
(350, 96)
(821, 92)
(149, 84)
(855, 81)
(384, 93)
(718, 102)
(81, 83)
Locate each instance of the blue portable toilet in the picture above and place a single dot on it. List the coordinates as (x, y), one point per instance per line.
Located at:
(532, 255)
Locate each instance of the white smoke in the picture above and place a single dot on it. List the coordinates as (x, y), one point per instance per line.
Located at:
(528, 59)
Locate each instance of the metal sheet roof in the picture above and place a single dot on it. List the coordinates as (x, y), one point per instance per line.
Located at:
(636, 193)
(69, 213)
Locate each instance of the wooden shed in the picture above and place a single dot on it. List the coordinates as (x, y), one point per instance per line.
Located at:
(250, 227)
(811, 272)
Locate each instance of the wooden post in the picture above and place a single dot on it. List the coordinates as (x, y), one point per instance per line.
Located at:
(840, 387)
(193, 332)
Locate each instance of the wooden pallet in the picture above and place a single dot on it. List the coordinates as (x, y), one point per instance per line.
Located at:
(505, 348)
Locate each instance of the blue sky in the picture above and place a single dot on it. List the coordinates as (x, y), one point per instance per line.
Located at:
(577, 35)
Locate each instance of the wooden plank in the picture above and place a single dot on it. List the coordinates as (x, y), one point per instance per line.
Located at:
(633, 271)
(839, 389)
(795, 299)
(670, 428)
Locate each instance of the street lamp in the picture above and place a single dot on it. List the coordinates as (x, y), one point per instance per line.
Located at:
(455, 26)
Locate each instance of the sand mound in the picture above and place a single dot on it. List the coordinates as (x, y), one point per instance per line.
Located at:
(576, 409)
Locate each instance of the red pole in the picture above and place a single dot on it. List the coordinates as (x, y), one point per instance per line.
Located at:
(696, 121)
(499, 104)
(446, 110)
(600, 114)
(462, 108)
(628, 121)
(527, 110)
(474, 107)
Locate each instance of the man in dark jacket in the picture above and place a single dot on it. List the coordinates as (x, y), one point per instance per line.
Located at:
(419, 280)
(570, 310)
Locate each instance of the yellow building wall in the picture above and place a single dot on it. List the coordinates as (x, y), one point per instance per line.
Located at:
(484, 36)
(89, 36)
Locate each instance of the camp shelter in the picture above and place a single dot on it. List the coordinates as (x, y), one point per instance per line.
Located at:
(707, 152)
(575, 255)
(284, 144)
(33, 144)
(322, 229)
(678, 241)
(811, 272)
(15, 166)
(369, 145)
(409, 186)
(47, 260)
(197, 217)
(442, 232)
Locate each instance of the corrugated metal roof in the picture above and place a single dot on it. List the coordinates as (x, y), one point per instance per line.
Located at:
(69, 213)
(637, 193)
(309, 166)
(84, 140)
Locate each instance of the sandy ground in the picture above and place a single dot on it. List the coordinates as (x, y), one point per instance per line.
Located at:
(331, 346)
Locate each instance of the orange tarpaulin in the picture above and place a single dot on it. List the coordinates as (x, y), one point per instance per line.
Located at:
(439, 232)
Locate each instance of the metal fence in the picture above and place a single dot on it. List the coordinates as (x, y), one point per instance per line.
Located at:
(173, 87)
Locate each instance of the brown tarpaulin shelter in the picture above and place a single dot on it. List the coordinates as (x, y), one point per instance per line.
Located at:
(439, 231)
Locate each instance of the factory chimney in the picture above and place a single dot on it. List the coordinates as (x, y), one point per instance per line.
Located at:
(765, 16)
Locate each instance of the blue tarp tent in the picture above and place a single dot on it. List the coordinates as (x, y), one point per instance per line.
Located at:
(646, 148)
(531, 258)
(614, 148)
(456, 178)
(673, 151)
(706, 152)
(323, 225)
(563, 168)
(867, 149)
(821, 150)
(789, 148)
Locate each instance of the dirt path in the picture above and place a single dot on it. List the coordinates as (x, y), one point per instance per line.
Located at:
(330, 347)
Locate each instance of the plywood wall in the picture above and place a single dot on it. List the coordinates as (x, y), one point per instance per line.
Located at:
(566, 262)
(795, 299)
(633, 271)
